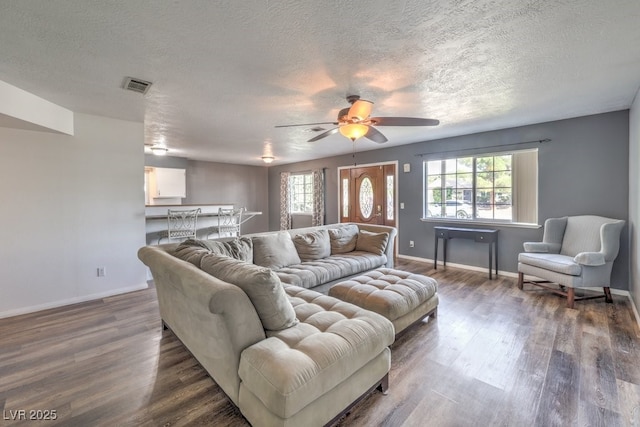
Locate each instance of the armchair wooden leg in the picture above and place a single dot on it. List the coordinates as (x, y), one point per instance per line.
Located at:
(571, 295)
(607, 295)
(520, 280)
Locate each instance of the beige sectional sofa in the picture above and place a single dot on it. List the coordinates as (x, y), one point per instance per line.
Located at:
(285, 355)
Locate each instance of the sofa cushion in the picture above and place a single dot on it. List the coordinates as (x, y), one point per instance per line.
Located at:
(240, 248)
(559, 263)
(313, 273)
(313, 245)
(261, 285)
(343, 239)
(372, 242)
(274, 250)
(294, 367)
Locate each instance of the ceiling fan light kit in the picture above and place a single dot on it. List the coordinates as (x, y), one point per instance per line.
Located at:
(355, 122)
(353, 131)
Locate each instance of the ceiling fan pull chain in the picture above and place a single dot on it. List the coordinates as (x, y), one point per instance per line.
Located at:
(353, 154)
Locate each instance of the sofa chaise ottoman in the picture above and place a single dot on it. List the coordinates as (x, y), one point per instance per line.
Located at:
(403, 298)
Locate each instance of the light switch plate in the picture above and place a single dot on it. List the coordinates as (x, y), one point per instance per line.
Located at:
(401, 205)
(406, 167)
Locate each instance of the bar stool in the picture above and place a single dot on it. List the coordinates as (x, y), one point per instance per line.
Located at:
(229, 221)
(181, 225)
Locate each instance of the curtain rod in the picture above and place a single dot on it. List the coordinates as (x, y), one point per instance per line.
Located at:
(540, 141)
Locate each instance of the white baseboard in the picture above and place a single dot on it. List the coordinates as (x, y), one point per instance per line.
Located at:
(453, 264)
(61, 303)
(512, 274)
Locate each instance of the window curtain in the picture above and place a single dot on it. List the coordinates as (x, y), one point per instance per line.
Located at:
(317, 215)
(285, 201)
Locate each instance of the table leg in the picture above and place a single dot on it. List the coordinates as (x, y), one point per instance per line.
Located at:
(496, 250)
(444, 250)
(435, 255)
(490, 260)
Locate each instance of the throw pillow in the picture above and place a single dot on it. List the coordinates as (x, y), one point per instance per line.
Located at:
(343, 239)
(372, 242)
(190, 253)
(313, 245)
(241, 248)
(274, 250)
(261, 285)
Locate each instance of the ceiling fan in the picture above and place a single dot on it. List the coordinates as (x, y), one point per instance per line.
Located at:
(355, 122)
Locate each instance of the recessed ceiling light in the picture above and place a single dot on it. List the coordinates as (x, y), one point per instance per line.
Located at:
(159, 150)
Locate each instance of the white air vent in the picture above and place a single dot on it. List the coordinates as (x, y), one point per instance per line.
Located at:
(137, 85)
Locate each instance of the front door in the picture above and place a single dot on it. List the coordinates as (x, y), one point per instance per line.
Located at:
(367, 195)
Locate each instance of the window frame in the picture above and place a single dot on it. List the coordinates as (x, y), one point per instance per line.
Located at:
(474, 218)
(307, 196)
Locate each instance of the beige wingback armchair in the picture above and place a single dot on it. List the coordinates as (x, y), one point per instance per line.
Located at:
(575, 252)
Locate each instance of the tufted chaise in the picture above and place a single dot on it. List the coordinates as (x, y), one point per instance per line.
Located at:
(299, 375)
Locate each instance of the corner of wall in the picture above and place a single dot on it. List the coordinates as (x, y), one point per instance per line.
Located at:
(634, 204)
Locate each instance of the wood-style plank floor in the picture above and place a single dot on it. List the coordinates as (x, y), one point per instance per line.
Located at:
(495, 356)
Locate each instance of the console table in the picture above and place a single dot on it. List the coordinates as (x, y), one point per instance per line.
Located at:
(477, 234)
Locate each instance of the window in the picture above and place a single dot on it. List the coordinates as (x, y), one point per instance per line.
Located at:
(489, 187)
(301, 193)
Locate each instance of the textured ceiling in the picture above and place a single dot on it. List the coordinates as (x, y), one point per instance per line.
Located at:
(226, 72)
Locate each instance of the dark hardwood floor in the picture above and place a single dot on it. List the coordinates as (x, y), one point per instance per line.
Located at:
(495, 356)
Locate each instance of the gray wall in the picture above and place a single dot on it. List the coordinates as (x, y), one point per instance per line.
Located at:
(223, 183)
(583, 170)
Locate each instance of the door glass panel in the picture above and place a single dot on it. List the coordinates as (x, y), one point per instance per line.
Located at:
(390, 212)
(366, 197)
(345, 197)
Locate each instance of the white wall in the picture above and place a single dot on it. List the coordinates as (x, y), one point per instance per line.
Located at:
(634, 201)
(71, 204)
(23, 110)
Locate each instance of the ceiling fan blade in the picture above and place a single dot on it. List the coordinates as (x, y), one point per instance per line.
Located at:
(404, 121)
(360, 109)
(307, 124)
(323, 135)
(375, 135)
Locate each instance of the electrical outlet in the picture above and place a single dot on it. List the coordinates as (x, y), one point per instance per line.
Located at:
(411, 244)
(101, 271)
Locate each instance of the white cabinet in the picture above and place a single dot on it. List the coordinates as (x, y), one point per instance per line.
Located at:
(169, 183)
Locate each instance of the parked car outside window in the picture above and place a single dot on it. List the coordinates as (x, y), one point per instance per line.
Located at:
(453, 209)
(458, 209)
